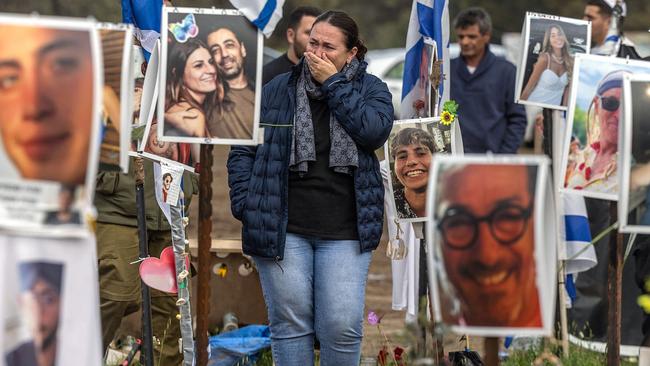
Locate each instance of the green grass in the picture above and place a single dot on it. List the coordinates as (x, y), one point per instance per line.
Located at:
(577, 357)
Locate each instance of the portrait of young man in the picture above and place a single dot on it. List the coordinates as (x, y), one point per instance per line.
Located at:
(229, 54)
(40, 299)
(46, 102)
(411, 150)
(485, 230)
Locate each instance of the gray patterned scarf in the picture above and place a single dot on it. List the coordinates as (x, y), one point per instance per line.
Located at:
(343, 150)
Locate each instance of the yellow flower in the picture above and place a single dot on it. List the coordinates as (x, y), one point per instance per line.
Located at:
(446, 118)
(644, 302)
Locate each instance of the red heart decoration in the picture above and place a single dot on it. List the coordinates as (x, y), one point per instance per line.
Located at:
(161, 273)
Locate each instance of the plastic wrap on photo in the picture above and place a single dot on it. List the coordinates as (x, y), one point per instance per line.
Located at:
(409, 150)
(634, 158)
(590, 156)
(493, 208)
(52, 88)
(42, 280)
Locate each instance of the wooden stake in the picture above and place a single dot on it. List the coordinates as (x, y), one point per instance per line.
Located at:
(205, 260)
(564, 327)
(614, 285)
(146, 356)
(491, 346)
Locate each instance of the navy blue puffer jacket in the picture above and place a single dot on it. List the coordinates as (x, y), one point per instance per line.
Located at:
(258, 176)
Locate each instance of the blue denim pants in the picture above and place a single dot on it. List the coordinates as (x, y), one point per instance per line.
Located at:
(317, 289)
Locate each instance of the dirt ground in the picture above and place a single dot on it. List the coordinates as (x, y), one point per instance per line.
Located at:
(379, 300)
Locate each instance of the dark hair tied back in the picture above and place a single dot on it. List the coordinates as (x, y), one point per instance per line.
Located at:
(348, 26)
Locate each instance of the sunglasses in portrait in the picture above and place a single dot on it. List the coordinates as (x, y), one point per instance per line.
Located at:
(609, 103)
(507, 222)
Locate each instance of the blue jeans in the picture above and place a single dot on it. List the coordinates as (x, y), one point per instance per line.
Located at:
(317, 289)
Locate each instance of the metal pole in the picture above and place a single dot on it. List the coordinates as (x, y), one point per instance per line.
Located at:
(146, 356)
(614, 285)
(563, 313)
(205, 242)
(547, 144)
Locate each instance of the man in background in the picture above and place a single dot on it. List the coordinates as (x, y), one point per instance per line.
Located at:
(300, 22)
(601, 14)
(229, 55)
(483, 85)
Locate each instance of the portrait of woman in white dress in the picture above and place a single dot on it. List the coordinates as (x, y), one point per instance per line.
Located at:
(551, 74)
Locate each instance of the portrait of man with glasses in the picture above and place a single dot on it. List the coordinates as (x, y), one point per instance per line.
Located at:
(484, 217)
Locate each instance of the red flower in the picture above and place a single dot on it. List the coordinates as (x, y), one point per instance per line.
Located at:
(398, 351)
(382, 356)
(581, 166)
(418, 104)
(596, 145)
(588, 173)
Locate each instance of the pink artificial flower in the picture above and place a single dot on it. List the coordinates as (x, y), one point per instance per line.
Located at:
(373, 318)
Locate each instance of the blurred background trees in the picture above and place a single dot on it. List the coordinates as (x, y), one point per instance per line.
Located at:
(383, 23)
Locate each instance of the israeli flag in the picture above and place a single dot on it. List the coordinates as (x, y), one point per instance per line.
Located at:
(580, 254)
(429, 23)
(145, 16)
(265, 14)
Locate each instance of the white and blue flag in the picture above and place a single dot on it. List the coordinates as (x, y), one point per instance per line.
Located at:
(145, 16)
(264, 14)
(580, 254)
(429, 23)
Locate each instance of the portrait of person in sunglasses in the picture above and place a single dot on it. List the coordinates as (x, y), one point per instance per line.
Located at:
(597, 173)
(485, 231)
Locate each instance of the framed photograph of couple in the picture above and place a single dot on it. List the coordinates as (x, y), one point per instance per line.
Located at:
(51, 83)
(492, 244)
(549, 45)
(635, 155)
(210, 79)
(409, 150)
(590, 156)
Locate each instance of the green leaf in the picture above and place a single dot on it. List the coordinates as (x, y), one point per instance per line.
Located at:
(450, 106)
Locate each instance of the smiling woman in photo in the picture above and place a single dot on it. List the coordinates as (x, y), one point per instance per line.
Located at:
(552, 71)
(411, 149)
(193, 90)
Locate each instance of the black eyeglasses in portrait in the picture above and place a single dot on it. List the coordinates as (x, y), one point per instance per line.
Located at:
(459, 227)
